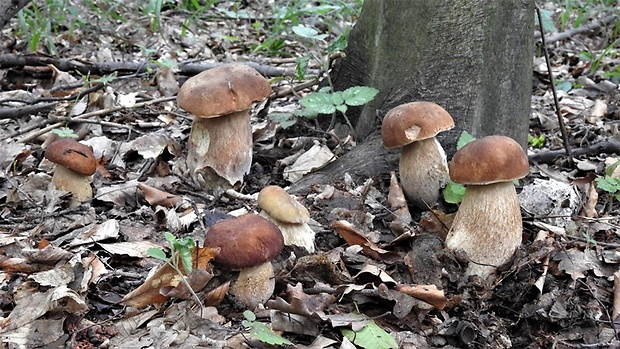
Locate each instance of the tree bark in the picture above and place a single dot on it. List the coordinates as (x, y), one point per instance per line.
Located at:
(8, 9)
(472, 57)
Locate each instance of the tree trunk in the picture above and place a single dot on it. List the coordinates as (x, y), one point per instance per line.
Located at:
(8, 9)
(472, 57)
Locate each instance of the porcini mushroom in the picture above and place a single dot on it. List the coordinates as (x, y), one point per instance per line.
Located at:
(487, 226)
(247, 243)
(220, 142)
(423, 165)
(75, 163)
(289, 215)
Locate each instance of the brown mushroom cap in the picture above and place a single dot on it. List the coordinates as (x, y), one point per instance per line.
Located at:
(414, 121)
(72, 155)
(276, 202)
(223, 90)
(245, 241)
(487, 160)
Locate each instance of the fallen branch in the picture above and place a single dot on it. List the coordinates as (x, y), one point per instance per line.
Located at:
(594, 25)
(103, 68)
(607, 146)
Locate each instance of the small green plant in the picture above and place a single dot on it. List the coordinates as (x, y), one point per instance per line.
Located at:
(537, 141)
(370, 336)
(64, 132)
(261, 331)
(610, 185)
(453, 192)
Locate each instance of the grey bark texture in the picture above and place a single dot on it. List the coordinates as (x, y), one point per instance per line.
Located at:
(472, 57)
(8, 9)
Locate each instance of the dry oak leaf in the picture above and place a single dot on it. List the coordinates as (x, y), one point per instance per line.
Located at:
(301, 303)
(150, 292)
(156, 197)
(428, 293)
(353, 236)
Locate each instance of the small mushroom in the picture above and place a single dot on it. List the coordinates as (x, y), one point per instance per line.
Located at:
(220, 142)
(423, 165)
(75, 163)
(487, 226)
(289, 215)
(247, 243)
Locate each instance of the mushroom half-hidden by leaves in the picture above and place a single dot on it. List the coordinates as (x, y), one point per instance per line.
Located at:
(220, 142)
(423, 166)
(75, 164)
(487, 226)
(289, 215)
(247, 243)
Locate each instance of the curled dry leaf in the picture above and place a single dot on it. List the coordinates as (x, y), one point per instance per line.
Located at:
(216, 295)
(398, 205)
(354, 236)
(428, 293)
(301, 303)
(156, 197)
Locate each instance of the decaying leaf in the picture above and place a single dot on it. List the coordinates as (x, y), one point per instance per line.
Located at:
(354, 236)
(428, 293)
(398, 205)
(156, 197)
(301, 303)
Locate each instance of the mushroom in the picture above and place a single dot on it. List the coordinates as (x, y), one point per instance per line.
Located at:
(289, 215)
(423, 165)
(247, 243)
(75, 163)
(220, 142)
(487, 226)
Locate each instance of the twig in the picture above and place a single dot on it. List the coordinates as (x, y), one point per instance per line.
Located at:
(18, 112)
(102, 68)
(88, 115)
(555, 94)
(608, 146)
(595, 24)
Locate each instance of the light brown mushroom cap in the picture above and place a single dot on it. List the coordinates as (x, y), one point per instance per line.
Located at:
(72, 155)
(245, 241)
(223, 90)
(487, 160)
(278, 204)
(414, 121)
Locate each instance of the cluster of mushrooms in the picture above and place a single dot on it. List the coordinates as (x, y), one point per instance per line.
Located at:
(487, 226)
(220, 155)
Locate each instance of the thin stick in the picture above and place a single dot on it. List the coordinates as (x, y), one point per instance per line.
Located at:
(555, 94)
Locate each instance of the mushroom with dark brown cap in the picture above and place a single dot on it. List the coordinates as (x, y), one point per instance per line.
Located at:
(289, 215)
(423, 165)
(75, 163)
(220, 142)
(487, 226)
(247, 243)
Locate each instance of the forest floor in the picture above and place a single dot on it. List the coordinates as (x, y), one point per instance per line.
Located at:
(64, 271)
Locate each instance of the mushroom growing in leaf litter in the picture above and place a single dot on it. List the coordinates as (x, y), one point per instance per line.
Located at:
(220, 142)
(247, 243)
(75, 163)
(487, 226)
(423, 166)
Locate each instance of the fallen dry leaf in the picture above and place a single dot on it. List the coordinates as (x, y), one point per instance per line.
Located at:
(156, 197)
(428, 293)
(354, 236)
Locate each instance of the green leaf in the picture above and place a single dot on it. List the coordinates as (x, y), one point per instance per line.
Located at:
(307, 32)
(64, 132)
(338, 45)
(453, 192)
(157, 253)
(371, 337)
(464, 138)
(319, 102)
(302, 67)
(249, 315)
(611, 169)
(564, 85)
(337, 98)
(306, 113)
(342, 108)
(608, 184)
(263, 333)
(185, 256)
(359, 95)
(170, 237)
(285, 120)
(547, 21)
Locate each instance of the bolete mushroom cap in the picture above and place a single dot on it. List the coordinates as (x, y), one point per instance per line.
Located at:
(487, 160)
(72, 155)
(223, 90)
(245, 241)
(414, 121)
(276, 202)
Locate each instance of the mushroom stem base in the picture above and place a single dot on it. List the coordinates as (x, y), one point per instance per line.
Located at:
(487, 227)
(75, 183)
(254, 286)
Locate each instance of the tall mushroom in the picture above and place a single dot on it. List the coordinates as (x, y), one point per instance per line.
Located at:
(423, 165)
(75, 163)
(247, 243)
(289, 215)
(487, 226)
(220, 142)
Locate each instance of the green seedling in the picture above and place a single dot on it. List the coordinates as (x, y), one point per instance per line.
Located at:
(370, 336)
(64, 132)
(537, 141)
(261, 331)
(453, 192)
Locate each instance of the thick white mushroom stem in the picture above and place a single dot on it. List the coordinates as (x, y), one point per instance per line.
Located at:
(297, 234)
(220, 151)
(487, 227)
(423, 171)
(75, 183)
(254, 286)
